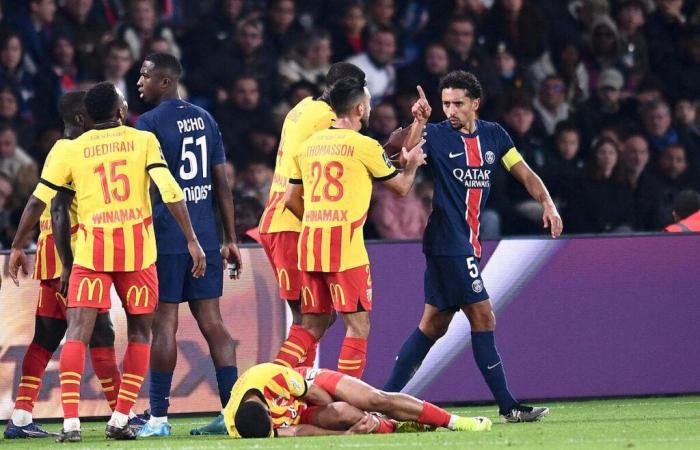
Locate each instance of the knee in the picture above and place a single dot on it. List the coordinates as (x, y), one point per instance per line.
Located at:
(103, 334)
(482, 321)
(434, 329)
(379, 401)
(347, 415)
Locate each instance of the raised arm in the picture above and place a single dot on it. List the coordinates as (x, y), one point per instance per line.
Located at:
(224, 200)
(403, 182)
(536, 188)
(60, 224)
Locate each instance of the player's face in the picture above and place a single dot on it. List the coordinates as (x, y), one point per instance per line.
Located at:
(365, 110)
(123, 106)
(149, 82)
(458, 107)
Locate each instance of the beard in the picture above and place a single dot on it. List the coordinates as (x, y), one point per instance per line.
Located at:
(455, 123)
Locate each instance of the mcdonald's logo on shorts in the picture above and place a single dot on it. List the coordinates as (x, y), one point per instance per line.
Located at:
(307, 296)
(139, 292)
(91, 284)
(337, 294)
(62, 299)
(283, 279)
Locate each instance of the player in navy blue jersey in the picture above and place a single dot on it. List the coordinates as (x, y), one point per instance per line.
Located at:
(192, 146)
(464, 153)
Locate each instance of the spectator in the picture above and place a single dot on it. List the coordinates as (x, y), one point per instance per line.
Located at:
(663, 31)
(378, 63)
(237, 115)
(520, 24)
(426, 72)
(686, 213)
(381, 13)
(211, 33)
(142, 26)
(295, 93)
(656, 119)
(45, 139)
(310, 62)
(646, 189)
(512, 76)
(13, 69)
(62, 75)
(10, 101)
(459, 38)
(117, 69)
(605, 49)
(630, 21)
(17, 165)
(282, 27)
(348, 38)
(37, 28)
(255, 180)
(550, 104)
(88, 30)
(604, 108)
(518, 120)
(681, 75)
(674, 176)
(5, 211)
(604, 203)
(382, 122)
(404, 100)
(572, 22)
(262, 142)
(397, 217)
(564, 59)
(564, 168)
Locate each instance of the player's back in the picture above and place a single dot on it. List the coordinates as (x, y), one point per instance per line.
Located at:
(336, 168)
(306, 118)
(47, 265)
(280, 386)
(108, 170)
(191, 144)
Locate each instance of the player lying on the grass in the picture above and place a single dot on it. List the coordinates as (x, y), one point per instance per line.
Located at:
(54, 258)
(272, 400)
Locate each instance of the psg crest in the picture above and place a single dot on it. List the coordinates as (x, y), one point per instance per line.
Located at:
(477, 286)
(490, 157)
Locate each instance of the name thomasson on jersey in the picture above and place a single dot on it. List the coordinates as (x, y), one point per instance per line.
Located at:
(473, 177)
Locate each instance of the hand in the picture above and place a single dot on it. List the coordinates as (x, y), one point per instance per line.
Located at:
(414, 157)
(366, 425)
(199, 259)
(18, 260)
(231, 255)
(552, 220)
(421, 109)
(65, 276)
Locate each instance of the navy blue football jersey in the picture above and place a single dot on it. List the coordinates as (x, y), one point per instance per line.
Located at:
(463, 167)
(191, 144)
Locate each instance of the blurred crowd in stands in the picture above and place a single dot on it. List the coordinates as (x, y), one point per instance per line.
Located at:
(601, 97)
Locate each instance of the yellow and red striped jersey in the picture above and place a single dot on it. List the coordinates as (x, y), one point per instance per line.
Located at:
(47, 264)
(306, 118)
(109, 170)
(337, 167)
(281, 387)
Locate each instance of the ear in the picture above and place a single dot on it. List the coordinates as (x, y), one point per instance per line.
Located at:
(360, 109)
(476, 103)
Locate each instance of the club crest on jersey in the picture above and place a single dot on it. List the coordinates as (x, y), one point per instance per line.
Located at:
(477, 286)
(490, 157)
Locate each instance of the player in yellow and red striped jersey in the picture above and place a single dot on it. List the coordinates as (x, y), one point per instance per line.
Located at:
(279, 228)
(111, 168)
(330, 190)
(50, 324)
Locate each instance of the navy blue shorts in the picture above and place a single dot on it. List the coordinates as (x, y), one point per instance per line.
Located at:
(176, 283)
(453, 281)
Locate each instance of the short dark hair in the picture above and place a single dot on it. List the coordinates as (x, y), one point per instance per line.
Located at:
(565, 126)
(345, 94)
(118, 44)
(460, 79)
(686, 203)
(341, 70)
(252, 420)
(167, 63)
(70, 104)
(101, 101)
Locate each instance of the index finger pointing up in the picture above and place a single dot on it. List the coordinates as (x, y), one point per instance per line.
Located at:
(421, 94)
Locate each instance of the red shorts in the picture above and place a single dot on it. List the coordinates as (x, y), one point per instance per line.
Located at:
(281, 250)
(324, 378)
(137, 290)
(51, 303)
(347, 292)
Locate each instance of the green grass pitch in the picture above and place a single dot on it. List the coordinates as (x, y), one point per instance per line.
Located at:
(658, 423)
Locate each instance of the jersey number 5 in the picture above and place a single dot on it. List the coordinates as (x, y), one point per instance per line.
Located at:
(118, 193)
(332, 190)
(191, 157)
(473, 268)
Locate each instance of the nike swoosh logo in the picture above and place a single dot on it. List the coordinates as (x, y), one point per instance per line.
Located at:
(491, 367)
(454, 155)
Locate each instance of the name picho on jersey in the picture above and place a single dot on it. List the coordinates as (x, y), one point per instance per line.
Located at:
(473, 177)
(196, 194)
(190, 124)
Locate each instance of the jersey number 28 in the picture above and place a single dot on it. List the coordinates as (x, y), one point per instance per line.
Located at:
(332, 189)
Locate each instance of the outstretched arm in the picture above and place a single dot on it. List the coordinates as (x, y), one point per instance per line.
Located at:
(224, 200)
(30, 217)
(536, 188)
(364, 426)
(60, 224)
(403, 182)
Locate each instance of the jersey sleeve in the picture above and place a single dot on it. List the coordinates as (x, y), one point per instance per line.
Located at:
(376, 161)
(158, 170)
(509, 154)
(144, 124)
(55, 175)
(296, 382)
(218, 153)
